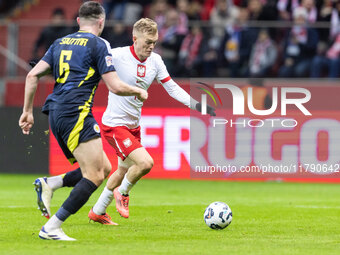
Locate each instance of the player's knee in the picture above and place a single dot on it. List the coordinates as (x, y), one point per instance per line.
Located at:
(97, 177)
(100, 178)
(146, 165)
(121, 171)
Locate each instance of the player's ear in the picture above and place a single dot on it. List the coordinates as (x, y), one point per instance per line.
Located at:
(78, 21)
(101, 23)
(134, 38)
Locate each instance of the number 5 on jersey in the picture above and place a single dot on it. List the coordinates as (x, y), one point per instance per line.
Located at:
(64, 67)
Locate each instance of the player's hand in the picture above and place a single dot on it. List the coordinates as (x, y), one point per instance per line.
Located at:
(26, 122)
(143, 95)
(210, 110)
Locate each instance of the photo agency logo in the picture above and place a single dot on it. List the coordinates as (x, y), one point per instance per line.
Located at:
(204, 97)
(239, 103)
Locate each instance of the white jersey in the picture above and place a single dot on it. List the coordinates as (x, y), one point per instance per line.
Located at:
(126, 110)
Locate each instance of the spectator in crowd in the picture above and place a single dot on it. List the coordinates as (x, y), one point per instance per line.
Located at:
(236, 45)
(49, 34)
(188, 57)
(330, 62)
(263, 55)
(207, 6)
(223, 14)
(286, 7)
(133, 11)
(325, 16)
(115, 9)
(300, 46)
(209, 55)
(127, 11)
(194, 10)
(269, 10)
(157, 11)
(182, 8)
(335, 20)
(170, 39)
(117, 35)
(261, 9)
(254, 9)
(312, 11)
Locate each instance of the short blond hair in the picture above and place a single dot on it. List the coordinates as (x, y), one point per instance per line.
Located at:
(145, 25)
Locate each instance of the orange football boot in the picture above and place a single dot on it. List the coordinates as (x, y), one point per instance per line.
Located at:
(122, 203)
(104, 219)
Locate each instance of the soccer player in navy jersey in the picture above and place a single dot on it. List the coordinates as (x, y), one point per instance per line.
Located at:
(139, 66)
(77, 61)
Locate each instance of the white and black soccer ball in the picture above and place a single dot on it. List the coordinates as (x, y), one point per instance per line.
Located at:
(218, 215)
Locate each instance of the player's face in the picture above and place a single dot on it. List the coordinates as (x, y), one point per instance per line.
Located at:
(144, 44)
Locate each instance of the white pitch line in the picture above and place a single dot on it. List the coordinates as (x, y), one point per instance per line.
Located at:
(317, 206)
(14, 206)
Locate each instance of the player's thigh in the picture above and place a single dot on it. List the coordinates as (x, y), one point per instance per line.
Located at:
(122, 139)
(141, 157)
(91, 157)
(107, 165)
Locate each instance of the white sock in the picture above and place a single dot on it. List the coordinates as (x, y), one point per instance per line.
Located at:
(52, 223)
(103, 202)
(125, 187)
(55, 182)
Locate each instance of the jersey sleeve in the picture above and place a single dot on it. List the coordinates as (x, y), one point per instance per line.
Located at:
(104, 57)
(115, 53)
(162, 73)
(48, 57)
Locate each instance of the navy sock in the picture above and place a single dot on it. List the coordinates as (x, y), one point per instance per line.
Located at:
(62, 214)
(79, 195)
(72, 178)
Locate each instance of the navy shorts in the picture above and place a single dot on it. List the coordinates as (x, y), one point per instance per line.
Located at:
(72, 128)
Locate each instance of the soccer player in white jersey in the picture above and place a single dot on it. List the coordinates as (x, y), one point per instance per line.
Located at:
(136, 65)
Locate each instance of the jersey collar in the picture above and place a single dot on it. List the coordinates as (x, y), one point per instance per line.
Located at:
(132, 49)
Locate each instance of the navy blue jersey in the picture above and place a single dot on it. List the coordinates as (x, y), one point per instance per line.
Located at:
(77, 60)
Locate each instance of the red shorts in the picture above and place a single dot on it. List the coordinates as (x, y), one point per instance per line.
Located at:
(122, 139)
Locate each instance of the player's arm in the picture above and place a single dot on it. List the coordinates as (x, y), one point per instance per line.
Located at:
(26, 120)
(117, 86)
(176, 92)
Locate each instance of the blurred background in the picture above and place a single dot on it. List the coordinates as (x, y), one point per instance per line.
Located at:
(286, 42)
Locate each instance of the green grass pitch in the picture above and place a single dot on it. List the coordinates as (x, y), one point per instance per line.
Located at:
(166, 217)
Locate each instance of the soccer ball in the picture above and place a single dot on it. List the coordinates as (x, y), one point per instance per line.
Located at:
(218, 215)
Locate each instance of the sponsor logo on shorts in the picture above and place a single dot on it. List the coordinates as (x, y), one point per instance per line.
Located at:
(96, 128)
(127, 142)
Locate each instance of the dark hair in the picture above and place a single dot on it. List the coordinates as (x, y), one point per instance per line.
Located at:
(58, 11)
(91, 9)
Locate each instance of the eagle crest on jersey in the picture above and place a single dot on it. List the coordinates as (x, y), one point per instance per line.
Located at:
(141, 69)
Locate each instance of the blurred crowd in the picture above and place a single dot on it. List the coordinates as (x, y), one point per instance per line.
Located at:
(218, 38)
(6, 5)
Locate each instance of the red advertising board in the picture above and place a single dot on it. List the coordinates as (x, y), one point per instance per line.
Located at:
(271, 148)
(308, 151)
(165, 134)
